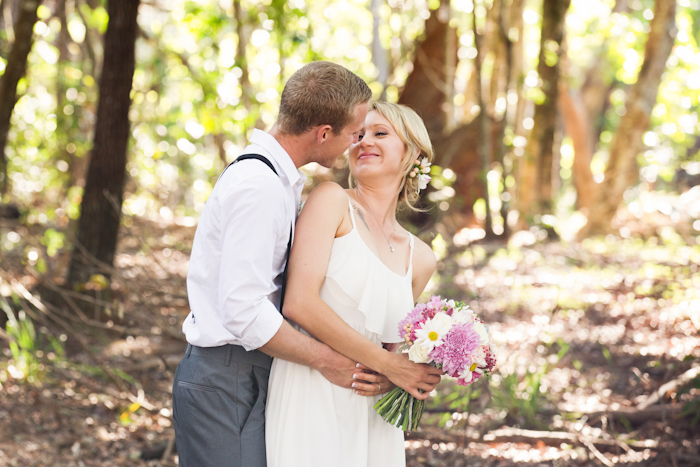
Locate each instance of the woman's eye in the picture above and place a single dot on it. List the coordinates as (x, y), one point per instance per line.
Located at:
(359, 137)
(381, 133)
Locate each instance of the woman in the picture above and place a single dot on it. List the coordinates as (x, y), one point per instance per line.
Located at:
(351, 260)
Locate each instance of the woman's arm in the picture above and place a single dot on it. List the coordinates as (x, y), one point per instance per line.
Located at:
(319, 223)
(424, 264)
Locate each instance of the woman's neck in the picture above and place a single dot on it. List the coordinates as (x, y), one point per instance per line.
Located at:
(382, 201)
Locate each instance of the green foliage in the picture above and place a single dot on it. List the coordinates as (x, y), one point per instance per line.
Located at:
(455, 399)
(27, 346)
(53, 241)
(520, 395)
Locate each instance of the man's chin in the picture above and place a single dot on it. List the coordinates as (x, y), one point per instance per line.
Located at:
(329, 163)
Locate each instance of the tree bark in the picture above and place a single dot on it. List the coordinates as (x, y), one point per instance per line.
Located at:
(63, 122)
(379, 54)
(509, 18)
(426, 88)
(578, 125)
(535, 197)
(622, 170)
(241, 60)
(100, 215)
(583, 111)
(14, 71)
(485, 146)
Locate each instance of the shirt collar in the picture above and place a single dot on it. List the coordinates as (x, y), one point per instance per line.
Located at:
(284, 161)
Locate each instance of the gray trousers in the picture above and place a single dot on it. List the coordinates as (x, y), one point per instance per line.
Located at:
(219, 398)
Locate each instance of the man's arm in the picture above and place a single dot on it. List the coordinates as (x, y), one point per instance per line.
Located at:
(290, 344)
(252, 220)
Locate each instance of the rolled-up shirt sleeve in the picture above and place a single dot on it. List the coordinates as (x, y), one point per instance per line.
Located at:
(253, 219)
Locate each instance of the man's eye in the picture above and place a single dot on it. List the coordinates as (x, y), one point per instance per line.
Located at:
(359, 137)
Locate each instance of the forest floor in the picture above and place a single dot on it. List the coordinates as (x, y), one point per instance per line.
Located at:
(585, 333)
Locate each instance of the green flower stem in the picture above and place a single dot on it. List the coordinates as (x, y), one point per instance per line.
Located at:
(388, 400)
(400, 409)
(393, 415)
(393, 409)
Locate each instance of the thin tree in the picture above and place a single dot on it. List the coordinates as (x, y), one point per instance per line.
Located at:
(535, 189)
(380, 56)
(14, 71)
(582, 112)
(100, 214)
(622, 170)
(484, 120)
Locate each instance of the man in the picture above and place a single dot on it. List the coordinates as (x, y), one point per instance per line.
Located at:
(235, 278)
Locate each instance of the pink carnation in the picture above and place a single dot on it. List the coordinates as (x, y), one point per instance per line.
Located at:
(411, 322)
(455, 353)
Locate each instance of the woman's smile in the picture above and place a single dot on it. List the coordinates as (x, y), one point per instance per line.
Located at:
(367, 155)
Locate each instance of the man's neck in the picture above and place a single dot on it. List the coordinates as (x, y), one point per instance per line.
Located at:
(295, 146)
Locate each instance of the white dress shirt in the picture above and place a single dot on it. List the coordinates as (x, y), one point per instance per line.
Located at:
(239, 251)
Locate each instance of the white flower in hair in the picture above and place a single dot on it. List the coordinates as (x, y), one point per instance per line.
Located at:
(421, 169)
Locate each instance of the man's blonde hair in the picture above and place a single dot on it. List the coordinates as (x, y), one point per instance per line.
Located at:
(412, 132)
(321, 93)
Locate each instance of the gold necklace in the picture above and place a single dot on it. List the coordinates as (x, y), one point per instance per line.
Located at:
(391, 247)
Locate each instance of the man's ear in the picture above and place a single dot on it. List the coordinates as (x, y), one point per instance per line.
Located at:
(323, 133)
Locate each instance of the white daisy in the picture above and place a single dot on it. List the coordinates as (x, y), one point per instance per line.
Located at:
(433, 330)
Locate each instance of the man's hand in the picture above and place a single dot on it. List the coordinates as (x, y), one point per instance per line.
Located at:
(337, 368)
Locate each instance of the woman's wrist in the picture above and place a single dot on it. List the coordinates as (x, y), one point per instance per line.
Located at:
(385, 361)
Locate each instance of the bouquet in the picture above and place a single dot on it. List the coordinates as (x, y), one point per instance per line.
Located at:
(447, 335)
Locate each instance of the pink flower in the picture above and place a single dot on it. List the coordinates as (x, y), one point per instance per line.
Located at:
(456, 352)
(410, 323)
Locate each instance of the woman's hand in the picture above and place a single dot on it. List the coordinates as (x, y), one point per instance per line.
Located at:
(418, 379)
(370, 383)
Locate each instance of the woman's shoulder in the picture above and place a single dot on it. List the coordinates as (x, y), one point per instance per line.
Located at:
(327, 196)
(329, 189)
(423, 257)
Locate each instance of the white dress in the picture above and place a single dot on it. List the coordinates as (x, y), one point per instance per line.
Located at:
(310, 422)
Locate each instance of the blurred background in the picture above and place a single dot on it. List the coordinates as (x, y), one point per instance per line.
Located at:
(564, 208)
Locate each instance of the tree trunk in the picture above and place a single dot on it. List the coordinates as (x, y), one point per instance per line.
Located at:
(578, 125)
(380, 57)
(63, 122)
(509, 18)
(622, 170)
(9, 14)
(535, 197)
(583, 114)
(485, 146)
(14, 71)
(241, 61)
(426, 88)
(100, 215)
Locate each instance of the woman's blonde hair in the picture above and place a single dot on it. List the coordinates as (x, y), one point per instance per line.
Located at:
(411, 130)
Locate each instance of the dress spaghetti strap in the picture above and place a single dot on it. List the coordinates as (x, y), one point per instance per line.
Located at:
(411, 243)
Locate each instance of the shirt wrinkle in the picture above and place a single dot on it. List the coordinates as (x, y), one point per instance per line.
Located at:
(239, 250)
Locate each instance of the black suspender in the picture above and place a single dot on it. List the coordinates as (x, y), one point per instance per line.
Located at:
(289, 243)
